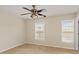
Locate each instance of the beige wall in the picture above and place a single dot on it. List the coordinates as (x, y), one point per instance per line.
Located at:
(11, 31)
(53, 32)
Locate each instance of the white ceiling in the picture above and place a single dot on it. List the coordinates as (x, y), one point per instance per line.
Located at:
(52, 10)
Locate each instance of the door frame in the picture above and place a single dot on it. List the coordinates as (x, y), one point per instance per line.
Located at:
(76, 20)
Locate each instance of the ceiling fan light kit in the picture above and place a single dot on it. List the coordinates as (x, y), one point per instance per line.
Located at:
(34, 12)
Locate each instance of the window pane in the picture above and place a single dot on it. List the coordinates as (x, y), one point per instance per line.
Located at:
(39, 30)
(68, 30)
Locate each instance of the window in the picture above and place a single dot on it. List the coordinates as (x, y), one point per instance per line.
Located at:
(68, 30)
(39, 30)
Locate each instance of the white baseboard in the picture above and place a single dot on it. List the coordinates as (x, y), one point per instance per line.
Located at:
(49, 45)
(11, 47)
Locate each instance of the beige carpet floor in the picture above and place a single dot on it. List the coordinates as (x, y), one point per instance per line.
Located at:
(38, 49)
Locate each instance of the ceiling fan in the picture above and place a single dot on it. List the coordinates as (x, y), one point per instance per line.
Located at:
(34, 12)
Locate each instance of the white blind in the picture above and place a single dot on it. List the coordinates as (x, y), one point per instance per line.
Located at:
(39, 30)
(68, 31)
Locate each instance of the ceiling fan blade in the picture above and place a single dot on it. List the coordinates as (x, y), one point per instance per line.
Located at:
(42, 15)
(26, 8)
(41, 10)
(26, 14)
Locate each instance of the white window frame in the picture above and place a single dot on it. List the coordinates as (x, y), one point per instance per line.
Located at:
(39, 35)
(65, 33)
